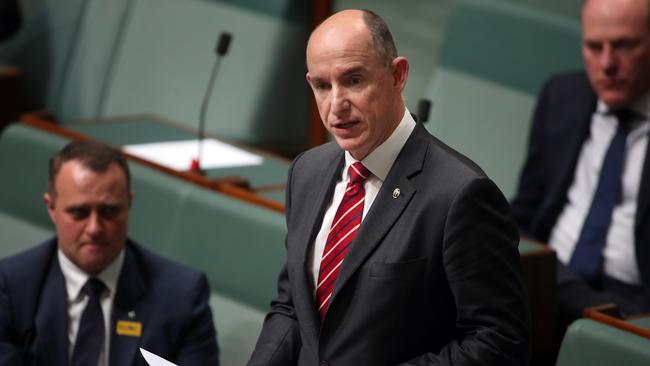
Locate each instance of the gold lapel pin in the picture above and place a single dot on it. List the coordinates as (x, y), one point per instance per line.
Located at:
(396, 192)
(131, 314)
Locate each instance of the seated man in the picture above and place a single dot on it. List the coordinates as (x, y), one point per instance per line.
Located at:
(90, 295)
(585, 187)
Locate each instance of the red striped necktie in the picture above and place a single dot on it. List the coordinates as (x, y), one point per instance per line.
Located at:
(344, 228)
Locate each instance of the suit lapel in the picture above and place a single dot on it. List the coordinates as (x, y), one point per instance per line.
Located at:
(643, 202)
(323, 185)
(324, 182)
(642, 210)
(386, 209)
(567, 152)
(51, 319)
(127, 307)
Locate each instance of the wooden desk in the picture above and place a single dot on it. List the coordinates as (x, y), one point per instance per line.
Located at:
(637, 324)
(264, 184)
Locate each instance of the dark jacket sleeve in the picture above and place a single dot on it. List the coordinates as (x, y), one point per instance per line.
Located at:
(10, 349)
(199, 341)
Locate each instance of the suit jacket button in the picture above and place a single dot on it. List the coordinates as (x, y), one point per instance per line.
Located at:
(324, 363)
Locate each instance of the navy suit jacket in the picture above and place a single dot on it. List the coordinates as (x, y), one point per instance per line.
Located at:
(431, 278)
(561, 124)
(169, 300)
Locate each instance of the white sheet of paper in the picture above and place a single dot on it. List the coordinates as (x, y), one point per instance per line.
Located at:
(155, 360)
(178, 155)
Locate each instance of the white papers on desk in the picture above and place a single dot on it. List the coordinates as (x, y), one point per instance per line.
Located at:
(155, 360)
(178, 155)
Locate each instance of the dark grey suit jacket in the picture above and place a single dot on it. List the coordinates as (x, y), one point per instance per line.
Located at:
(432, 277)
(561, 124)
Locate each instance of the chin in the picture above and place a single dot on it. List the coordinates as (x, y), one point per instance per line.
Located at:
(614, 98)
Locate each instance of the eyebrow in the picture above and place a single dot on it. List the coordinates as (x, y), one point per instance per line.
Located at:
(354, 70)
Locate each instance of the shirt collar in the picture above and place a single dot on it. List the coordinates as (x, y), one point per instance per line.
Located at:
(75, 277)
(380, 160)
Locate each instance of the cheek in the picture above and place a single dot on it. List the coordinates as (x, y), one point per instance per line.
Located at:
(323, 108)
(69, 230)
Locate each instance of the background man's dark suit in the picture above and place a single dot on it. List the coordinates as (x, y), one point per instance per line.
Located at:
(33, 315)
(560, 127)
(432, 277)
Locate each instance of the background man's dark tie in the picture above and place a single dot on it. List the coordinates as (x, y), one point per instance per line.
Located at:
(588, 254)
(90, 336)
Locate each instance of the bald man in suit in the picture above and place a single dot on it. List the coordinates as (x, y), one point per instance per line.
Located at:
(399, 249)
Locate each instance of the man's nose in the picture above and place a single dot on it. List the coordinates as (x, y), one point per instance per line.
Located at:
(340, 102)
(95, 224)
(608, 60)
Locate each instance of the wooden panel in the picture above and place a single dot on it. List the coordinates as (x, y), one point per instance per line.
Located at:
(608, 314)
(538, 268)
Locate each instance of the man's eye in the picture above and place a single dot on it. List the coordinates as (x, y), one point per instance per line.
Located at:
(355, 81)
(321, 86)
(594, 47)
(79, 213)
(626, 44)
(109, 212)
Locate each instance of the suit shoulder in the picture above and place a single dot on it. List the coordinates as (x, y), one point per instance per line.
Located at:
(28, 262)
(318, 156)
(447, 160)
(566, 85)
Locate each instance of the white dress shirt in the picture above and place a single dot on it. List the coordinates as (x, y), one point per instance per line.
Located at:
(619, 252)
(378, 162)
(75, 279)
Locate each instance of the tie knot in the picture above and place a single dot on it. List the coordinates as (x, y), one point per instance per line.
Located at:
(625, 116)
(93, 288)
(358, 173)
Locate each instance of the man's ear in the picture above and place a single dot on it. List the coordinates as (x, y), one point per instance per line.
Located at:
(131, 196)
(400, 71)
(49, 203)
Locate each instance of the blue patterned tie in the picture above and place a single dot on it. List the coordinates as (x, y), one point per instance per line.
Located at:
(90, 336)
(588, 254)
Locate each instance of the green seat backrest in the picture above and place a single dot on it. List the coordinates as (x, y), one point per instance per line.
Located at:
(24, 157)
(65, 49)
(588, 342)
(238, 326)
(495, 57)
(238, 245)
(17, 235)
(167, 55)
(155, 210)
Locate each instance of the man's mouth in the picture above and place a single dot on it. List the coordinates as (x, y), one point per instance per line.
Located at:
(344, 124)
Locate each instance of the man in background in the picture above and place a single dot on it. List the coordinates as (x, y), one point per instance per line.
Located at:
(90, 295)
(585, 186)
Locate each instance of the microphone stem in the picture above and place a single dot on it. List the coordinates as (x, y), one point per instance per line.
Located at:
(204, 108)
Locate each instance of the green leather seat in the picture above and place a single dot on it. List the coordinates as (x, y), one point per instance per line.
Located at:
(17, 235)
(588, 342)
(495, 57)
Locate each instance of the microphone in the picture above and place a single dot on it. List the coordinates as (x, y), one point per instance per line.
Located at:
(221, 50)
(424, 105)
(224, 42)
